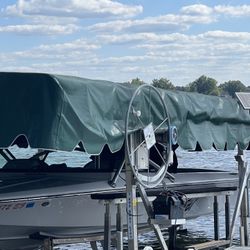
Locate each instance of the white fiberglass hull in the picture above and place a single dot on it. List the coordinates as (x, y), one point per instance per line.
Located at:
(62, 216)
(65, 216)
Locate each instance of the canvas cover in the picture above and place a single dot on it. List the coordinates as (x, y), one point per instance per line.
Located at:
(57, 112)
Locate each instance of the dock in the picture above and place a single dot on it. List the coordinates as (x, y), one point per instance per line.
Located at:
(237, 248)
(209, 245)
(215, 244)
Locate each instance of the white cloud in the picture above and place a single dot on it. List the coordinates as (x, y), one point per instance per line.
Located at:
(125, 59)
(42, 29)
(204, 10)
(48, 17)
(177, 56)
(189, 15)
(78, 50)
(142, 37)
(140, 25)
(197, 9)
(51, 20)
(79, 44)
(184, 57)
(240, 10)
(226, 35)
(72, 8)
(165, 23)
(205, 42)
(150, 47)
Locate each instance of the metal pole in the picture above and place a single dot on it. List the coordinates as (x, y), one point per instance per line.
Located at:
(119, 228)
(227, 216)
(216, 219)
(131, 210)
(48, 244)
(244, 203)
(244, 220)
(131, 201)
(93, 245)
(107, 227)
(172, 237)
(243, 179)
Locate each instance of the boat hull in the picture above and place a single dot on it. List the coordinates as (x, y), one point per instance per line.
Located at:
(67, 210)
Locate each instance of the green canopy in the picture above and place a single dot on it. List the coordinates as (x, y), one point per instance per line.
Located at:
(58, 112)
(208, 121)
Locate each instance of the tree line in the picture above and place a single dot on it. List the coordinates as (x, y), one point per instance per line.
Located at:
(205, 85)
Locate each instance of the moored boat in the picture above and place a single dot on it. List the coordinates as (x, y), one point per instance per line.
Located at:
(61, 113)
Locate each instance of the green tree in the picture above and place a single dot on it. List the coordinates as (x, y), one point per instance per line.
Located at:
(230, 87)
(137, 81)
(204, 85)
(163, 83)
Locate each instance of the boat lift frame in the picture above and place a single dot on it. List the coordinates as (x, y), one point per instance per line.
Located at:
(109, 235)
(242, 207)
(242, 202)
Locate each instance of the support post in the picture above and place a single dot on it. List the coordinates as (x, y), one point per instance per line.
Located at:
(131, 210)
(48, 244)
(227, 216)
(131, 204)
(119, 228)
(93, 245)
(216, 219)
(243, 179)
(242, 165)
(107, 226)
(172, 236)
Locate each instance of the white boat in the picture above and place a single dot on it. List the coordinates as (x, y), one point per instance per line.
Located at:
(61, 204)
(51, 113)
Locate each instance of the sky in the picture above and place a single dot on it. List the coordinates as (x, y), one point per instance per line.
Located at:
(123, 39)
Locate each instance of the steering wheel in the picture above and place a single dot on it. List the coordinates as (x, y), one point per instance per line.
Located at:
(148, 137)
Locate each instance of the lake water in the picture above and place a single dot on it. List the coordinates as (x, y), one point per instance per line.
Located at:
(198, 230)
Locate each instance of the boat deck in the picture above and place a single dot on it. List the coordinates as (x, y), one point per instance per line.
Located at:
(190, 183)
(34, 185)
(238, 248)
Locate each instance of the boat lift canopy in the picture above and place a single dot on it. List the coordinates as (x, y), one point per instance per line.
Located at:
(58, 112)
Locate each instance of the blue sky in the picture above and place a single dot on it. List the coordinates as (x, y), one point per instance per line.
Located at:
(120, 40)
